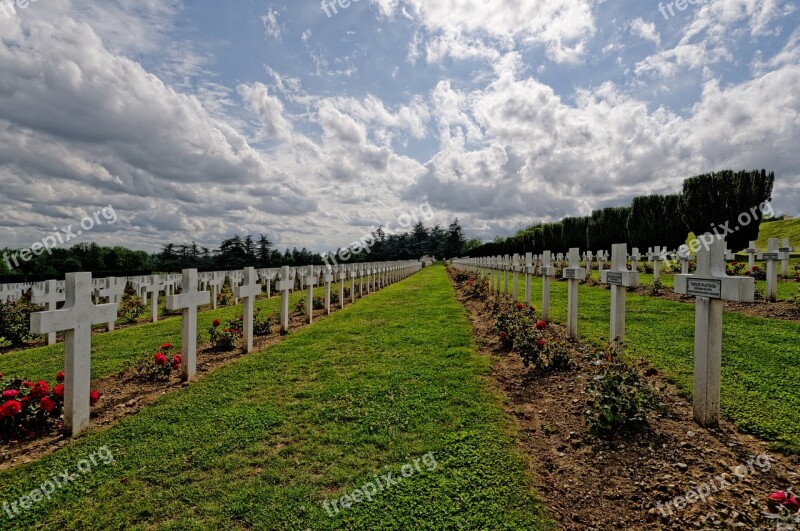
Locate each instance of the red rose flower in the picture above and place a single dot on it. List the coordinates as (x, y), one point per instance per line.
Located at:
(10, 393)
(160, 358)
(503, 335)
(40, 390)
(541, 342)
(166, 346)
(58, 391)
(10, 408)
(25, 401)
(216, 323)
(27, 384)
(47, 404)
(541, 325)
(520, 306)
(532, 308)
(94, 396)
(177, 359)
(779, 499)
(60, 377)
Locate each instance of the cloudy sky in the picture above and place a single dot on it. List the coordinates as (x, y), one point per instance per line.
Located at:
(198, 119)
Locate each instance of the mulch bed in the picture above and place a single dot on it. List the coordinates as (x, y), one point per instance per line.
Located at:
(595, 484)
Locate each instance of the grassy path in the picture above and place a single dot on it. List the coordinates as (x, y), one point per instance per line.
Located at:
(760, 358)
(263, 442)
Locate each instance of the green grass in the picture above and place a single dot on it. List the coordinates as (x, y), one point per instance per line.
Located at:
(261, 443)
(760, 358)
(111, 350)
(779, 229)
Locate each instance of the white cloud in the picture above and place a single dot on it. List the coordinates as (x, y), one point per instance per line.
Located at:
(272, 28)
(645, 30)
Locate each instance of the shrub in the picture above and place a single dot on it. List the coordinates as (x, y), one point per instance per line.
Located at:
(319, 303)
(757, 273)
(262, 324)
(131, 308)
(15, 321)
(300, 307)
(225, 338)
(619, 400)
(542, 350)
(29, 410)
(158, 366)
(655, 289)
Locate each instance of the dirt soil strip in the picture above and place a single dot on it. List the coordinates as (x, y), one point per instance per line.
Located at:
(597, 484)
(123, 396)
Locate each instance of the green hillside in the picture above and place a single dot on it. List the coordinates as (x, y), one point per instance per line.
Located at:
(779, 229)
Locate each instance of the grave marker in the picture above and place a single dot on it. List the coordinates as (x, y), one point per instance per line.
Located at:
(528, 273)
(751, 251)
(248, 289)
(50, 298)
(75, 319)
(310, 282)
(574, 274)
(285, 285)
(619, 277)
(515, 269)
(188, 301)
(712, 287)
(548, 272)
(771, 257)
(787, 251)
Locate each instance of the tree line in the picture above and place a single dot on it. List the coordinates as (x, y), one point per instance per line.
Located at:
(707, 203)
(233, 253)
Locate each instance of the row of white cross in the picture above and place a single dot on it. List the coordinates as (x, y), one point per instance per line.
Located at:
(80, 313)
(710, 284)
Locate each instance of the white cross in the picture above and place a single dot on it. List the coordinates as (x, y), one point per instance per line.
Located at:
(188, 301)
(327, 277)
(751, 251)
(548, 272)
(112, 291)
(248, 290)
(76, 319)
(635, 257)
(50, 297)
(574, 274)
(712, 287)
(215, 282)
(528, 273)
(153, 288)
(310, 280)
(619, 277)
(285, 285)
(684, 255)
(515, 269)
(342, 278)
(772, 256)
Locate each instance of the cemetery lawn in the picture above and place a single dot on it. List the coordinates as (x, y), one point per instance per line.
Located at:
(263, 442)
(760, 357)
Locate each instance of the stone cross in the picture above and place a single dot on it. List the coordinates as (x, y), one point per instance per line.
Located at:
(248, 290)
(771, 257)
(76, 319)
(188, 301)
(786, 251)
(360, 281)
(506, 267)
(751, 251)
(216, 282)
(342, 277)
(310, 281)
(352, 274)
(574, 274)
(528, 274)
(112, 291)
(729, 255)
(50, 298)
(285, 285)
(656, 258)
(235, 279)
(712, 287)
(635, 257)
(684, 255)
(619, 277)
(600, 262)
(548, 272)
(327, 276)
(153, 288)
(515, 281)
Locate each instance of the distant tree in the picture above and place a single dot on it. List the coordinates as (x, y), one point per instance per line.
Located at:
(573, 232)
(607, 227)
(656, 220)
(718, 199)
